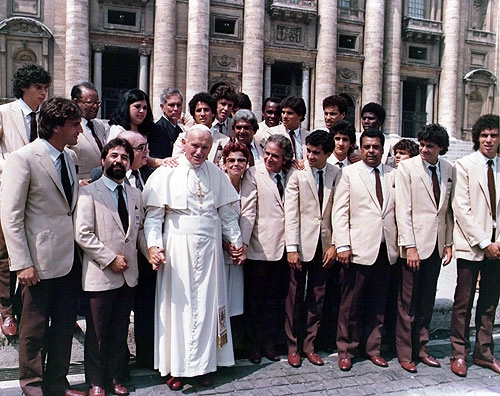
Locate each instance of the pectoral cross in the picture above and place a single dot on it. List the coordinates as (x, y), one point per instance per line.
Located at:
(200, 193)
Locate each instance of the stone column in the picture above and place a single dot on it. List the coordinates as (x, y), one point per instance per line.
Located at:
(77, 61)
(392, 57)
(197, 47)
(306, 92)
(253, 53)
(373, 67)
(326, 59)
(98, 49)
(448, 85)
(163, 75)
(144, 53)
(429, 102)
(267, 78)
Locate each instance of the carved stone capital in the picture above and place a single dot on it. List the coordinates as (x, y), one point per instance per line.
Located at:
(144, 50)
(98, 47)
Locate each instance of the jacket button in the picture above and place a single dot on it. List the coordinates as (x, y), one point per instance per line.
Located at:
(69, 214)
(320, 218)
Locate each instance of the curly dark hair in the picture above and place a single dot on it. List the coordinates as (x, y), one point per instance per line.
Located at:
(234, 147)
(435, 133)
(225, 92)
(204, 97)
(407, 145)
(54, 112)
(297, 104)
(336, 100)
(118, 142)
(487, 121)
(321, 138)
(29, 74)
(121, 114)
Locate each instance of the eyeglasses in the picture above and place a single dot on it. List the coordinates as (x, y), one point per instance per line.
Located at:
(142, 147)
(233, 160)
(91, 102)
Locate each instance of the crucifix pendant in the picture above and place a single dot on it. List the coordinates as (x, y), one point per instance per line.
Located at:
(200, 194)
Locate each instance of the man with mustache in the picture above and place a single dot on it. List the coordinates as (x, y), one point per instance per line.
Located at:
(108, 227)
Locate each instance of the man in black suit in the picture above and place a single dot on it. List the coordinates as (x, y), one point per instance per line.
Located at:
(167, 127)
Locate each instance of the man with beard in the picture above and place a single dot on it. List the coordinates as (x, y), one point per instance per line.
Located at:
(108, 226)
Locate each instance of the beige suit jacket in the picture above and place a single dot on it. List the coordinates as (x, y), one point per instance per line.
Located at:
(87, 151)
(305, 222)
(262, 220)
(421, 221)
(218, 140)
(36, 218)
(13, 133)
(99, 232)
(358, 220)
(471, 207)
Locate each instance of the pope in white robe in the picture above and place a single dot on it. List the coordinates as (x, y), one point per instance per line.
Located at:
(188, 210)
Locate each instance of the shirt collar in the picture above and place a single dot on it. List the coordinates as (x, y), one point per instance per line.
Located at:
(25, 108)
(427, 164)
(111, 184)
(53, 152)
(486, 159)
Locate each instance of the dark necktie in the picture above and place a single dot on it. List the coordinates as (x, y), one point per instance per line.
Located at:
(219, 127)
(378, 187)
(65, 179)
(251, 159)
(33, 127)
(320, 188)
(292, 139)
(90, 124)
(492, 191)
(279, 185)
(340, 164)
(138, 182)
(435, 184)
(122, 208)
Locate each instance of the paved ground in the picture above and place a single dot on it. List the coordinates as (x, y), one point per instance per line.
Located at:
(281, 379)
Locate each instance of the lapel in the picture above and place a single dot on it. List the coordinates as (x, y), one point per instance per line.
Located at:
(424, 176)
(365, 178)
(311, 181)
(90, 139)
(388, 186)
(131, 207)
(107, 197)
(47, 164)
(17, 116)
(328, 187)
(446, 170)
(269, 183)
(480, 174)
(74, 175)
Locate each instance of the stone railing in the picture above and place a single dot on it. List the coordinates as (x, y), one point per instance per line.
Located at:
(422, 30)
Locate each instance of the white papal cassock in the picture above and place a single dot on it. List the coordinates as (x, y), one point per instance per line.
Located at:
(188, 208)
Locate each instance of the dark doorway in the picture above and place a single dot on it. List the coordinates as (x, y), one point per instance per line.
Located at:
(286, 79)
(414, 115)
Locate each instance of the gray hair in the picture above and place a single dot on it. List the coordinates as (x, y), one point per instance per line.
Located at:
(248, 116)
(285, 145)
(168, 92)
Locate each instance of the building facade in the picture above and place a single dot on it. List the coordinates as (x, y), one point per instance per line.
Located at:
(423, 60)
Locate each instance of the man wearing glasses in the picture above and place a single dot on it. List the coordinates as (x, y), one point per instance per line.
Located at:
(94, 136)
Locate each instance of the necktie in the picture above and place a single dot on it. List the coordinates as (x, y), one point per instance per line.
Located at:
(251, 159)
(279, 185)
(138, 183)
(65, 179)
(292, 138)
(122, 208)
(492, 191)
(33, 127)
(340, 164)
(320, 188)
(435, 184)
(378, 187)
(90, 124)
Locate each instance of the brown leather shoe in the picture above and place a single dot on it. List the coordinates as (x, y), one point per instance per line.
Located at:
(74, 392)
(409, 366)
(494, 365)
(96, 391)
(174, 383)
(459, 367)
(379, 361)
(272, 355)
(254, 357)
(8, 326)
(205, 380)
(345, 364)
(294, 360)
(118, 389)
(430, 361)
(314, 358)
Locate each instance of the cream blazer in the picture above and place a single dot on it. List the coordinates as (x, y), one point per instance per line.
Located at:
(305, 222)
(12, 130)
(87, 151)
(37, 220)
(262, 219)
(99, 232)
(421, 221)
(358, 220)
(471, 207)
